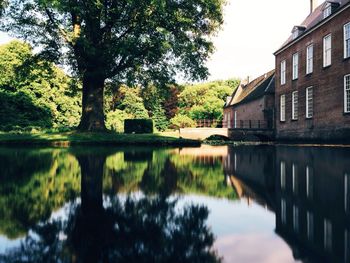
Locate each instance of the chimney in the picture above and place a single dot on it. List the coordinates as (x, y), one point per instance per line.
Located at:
(313, 5)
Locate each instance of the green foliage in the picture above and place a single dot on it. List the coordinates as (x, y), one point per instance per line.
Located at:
(205, 101)
(138, 126)
(131, 42)
(129, 100)
(182, 121)
(159, 118)
(33, 92)
(210, 109)
(165, 36)
(115, 120)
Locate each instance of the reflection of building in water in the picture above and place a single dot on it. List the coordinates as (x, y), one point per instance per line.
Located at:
(313, 215)
(251, 166)
(206, 154)
(308, 188)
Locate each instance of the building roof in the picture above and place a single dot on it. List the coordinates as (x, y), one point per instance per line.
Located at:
(265, 84)
(314, 19)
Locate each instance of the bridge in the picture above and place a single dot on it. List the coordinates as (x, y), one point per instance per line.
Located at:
(240, 130)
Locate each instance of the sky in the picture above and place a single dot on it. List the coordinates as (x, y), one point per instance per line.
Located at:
(253, 30)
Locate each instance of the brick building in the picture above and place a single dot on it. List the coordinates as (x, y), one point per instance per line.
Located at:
(312, 94)
(251, 106)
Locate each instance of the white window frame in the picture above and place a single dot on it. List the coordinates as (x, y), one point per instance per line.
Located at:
(235, 124)
(295, 34)
(327, 11)
(310, 59)
(283, 108)
(347, 40)
(283, 72)
(309, 114)
(295, 65)
(327, 50)
(295, 105)
(347, 93)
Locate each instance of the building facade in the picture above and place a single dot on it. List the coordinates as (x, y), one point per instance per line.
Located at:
(312, 95)
(251, 106)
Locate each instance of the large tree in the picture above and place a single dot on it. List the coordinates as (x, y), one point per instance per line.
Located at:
(128, 41)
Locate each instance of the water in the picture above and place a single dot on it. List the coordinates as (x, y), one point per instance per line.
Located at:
(208, 204)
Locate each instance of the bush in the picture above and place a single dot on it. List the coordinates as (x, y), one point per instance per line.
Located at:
(182, 121)
(115, 120)
(138, 126)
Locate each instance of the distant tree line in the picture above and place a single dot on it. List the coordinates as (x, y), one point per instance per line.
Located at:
(37, 95)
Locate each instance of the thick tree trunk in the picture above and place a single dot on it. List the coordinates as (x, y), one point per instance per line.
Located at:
(92, 118)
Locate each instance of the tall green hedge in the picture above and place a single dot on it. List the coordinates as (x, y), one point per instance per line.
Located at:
(138, 126)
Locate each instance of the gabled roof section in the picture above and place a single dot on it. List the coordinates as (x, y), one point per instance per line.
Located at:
(315, 18)
(265, 84)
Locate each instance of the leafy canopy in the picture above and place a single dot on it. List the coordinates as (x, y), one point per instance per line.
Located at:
(127, 40)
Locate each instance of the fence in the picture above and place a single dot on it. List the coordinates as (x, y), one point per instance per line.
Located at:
(238, 124)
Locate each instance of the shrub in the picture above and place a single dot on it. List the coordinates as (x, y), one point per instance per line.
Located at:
(115, 120)
(160, 121)
(138, 126)
(182, 121)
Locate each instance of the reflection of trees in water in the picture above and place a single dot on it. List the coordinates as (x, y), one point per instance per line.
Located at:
(49, 178)
(33, 184)
(144, 230)
(137, 230)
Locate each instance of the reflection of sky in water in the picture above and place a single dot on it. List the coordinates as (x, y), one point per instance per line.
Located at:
(6, 243)
(244, 232)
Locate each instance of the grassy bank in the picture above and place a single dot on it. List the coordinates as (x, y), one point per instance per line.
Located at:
(109, 139)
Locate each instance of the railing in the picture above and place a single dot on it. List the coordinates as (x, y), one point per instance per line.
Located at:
(238, 124)
(210, 123)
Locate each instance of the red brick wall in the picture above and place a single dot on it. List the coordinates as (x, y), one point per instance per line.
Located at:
(329, 120)
(252, 110)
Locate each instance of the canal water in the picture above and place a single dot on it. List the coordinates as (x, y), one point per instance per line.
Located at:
(209, 204)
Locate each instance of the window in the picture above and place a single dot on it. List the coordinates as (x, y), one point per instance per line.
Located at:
(296, 218)
(283, 107)
(295, 105)
(310, 225)
(309, 182)
(229, 120)
(347, 40)
(309, 103)
(283, 211)
(347, 245)
(295, 65)
(283, 175)
(327, 51)
(347, 94)
(295, 34)
(347, 192)
(327, 11)
(327, 234)
(295, 178)
(309, 59)
(235, 119)
(283, 72)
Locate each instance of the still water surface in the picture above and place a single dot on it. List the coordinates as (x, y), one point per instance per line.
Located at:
(208, 204)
